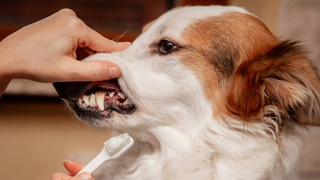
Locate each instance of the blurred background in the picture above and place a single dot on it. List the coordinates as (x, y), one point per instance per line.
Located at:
(37, 133)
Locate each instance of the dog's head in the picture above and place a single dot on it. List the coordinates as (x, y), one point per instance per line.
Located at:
(198, 64)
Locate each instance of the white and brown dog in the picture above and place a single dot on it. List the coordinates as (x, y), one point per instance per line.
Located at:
(207, 93)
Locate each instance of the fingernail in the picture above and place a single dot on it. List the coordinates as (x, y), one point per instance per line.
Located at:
(84, 176)
(114, 72)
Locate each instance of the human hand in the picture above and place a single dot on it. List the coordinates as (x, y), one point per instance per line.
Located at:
(73, 168)
(46, 51)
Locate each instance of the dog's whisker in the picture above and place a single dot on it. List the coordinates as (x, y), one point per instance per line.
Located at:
(119, 37)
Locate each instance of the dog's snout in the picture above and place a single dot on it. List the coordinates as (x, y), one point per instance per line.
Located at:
(70, 90)
(60, 88)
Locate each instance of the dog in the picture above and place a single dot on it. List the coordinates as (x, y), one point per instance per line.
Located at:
(207, 92)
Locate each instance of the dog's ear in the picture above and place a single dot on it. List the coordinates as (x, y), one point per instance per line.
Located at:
(281, 85)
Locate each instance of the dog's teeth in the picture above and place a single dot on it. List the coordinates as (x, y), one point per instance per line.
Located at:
(79, 102)
(86, 100)
(92, 101)
(121, 95)
(100, 100)
(84, 105)
(111, 94)
(127, 102)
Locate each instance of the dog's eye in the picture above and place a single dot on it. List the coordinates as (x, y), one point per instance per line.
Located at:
(166, 47)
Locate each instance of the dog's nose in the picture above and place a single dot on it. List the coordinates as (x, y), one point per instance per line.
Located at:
(60, 88)
(70, 90)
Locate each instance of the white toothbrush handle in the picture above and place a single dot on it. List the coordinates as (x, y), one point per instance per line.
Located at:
(96, 162)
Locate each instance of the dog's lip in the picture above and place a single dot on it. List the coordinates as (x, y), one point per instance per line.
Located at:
(111, 85)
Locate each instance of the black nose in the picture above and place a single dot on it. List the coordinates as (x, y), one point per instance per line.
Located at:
(70, 90)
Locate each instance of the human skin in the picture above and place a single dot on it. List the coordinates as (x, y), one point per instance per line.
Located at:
(73, 168)
(45, 51)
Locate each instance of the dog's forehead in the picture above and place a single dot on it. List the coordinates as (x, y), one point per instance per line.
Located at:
(172, 23)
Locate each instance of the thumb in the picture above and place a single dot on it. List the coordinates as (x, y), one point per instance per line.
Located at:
(90, 71)
(62, 176)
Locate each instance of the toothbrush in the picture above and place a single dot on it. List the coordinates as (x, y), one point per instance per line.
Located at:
(113, 148)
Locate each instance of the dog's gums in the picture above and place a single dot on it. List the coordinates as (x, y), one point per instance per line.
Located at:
(103, 97)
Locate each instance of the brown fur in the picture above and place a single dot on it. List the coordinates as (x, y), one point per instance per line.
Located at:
(282, 78)
(247, 69)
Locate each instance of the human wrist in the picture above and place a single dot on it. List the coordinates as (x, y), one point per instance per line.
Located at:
(5, 60)
(12, 59)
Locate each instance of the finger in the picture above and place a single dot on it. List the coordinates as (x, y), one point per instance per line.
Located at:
(66, 12)
(62, 176)
(99, 43)
(73, 167)
(82, 176)
(89, 71)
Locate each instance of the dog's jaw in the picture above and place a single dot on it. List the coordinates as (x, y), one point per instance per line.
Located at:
(165, 133)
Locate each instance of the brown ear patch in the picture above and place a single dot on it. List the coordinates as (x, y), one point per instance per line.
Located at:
(250, 73)
(218, 44)
(282, 80)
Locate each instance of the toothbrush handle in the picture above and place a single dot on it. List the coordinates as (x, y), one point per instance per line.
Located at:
(96, 162)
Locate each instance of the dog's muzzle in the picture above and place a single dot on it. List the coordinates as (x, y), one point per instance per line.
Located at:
(95, 99)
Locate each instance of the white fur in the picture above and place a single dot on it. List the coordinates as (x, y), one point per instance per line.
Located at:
(175, 134)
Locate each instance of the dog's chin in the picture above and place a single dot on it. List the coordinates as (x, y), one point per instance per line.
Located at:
(100, 101)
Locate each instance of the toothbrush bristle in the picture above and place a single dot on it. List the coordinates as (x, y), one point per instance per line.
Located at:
(126, 141)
